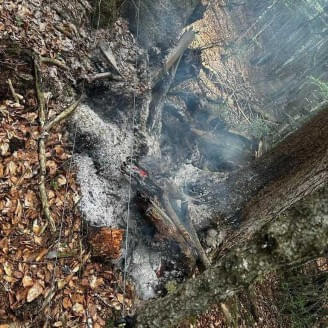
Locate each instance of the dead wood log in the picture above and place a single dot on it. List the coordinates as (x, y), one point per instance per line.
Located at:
(156, 203)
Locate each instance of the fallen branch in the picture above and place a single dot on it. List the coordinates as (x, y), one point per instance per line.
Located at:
(108, 53)
(45, 128)
(167, 228)
(42, 148)
(155, 111)
(190, 237)
(98, 76)
(54, 61)
(61, 116)
(34, 55)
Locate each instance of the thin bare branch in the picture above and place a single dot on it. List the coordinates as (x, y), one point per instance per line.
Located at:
(42, 148)
(54, 61)
(61, 116)
(15, 95)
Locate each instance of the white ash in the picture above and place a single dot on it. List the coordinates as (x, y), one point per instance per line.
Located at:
(98, 200)
(144, 263)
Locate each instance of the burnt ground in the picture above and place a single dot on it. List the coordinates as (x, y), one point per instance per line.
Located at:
(33, 262)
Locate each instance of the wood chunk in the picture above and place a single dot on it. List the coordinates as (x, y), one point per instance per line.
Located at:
(106, 242)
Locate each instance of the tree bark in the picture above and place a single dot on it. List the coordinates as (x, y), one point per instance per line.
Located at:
(158, 23)
(243, 204)
(271, 184)
(300, 235)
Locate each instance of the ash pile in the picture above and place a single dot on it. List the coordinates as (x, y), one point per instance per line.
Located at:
(153, 150)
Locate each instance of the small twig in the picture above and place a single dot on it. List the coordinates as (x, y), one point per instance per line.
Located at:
(54, 61)
(15, 95)
(16, 325)
(61, 116)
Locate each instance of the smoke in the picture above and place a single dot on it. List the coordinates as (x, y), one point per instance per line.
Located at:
(258, 64)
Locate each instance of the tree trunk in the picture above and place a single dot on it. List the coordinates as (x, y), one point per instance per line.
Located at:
(243, 204)
(158, 23)
(292, 239)
(254, 195)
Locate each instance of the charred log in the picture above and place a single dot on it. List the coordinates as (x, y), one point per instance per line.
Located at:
(172, 221)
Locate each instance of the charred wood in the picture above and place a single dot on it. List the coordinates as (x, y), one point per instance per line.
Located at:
(159, 205)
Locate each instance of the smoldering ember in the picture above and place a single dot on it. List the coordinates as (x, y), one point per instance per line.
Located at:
(161, 159)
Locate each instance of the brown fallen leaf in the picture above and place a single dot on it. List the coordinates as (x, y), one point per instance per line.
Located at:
(4, 244)
(42, 253)
(67, 303)
(61, 180)
(120, 297)
(1, 170)
(18, 213)
(78, 308)
(52, 167)
(34, 292)
(4, 147)
(11, 168)
(10, 279)
(30, 199)
(27, 281)
(21, 294)
(8, 268)
(36, 228)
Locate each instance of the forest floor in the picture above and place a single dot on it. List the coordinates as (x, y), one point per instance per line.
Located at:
(50, 279)
(46, 278)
